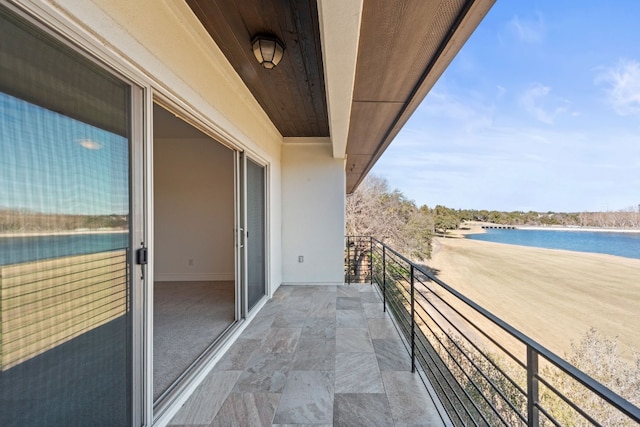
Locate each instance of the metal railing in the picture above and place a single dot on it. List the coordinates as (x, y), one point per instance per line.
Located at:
(484, 371)
(48, 302)
(358, 261)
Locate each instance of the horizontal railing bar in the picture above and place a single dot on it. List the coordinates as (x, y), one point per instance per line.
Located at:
(453, 405)
(480, 371)
(21, 311)
(398, 268)
(79, 314)
(403, 295)
(109, 294)
(470, 399)
(63, 275)
(405, 327)
(404, 322)
(477, 328)
(42, 270)
(613, 398)
(470, 341)
(567, 401)
(459, 399)
(548, 416)
(66, 284)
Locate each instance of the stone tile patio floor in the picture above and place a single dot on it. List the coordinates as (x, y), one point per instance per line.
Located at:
(314, 355)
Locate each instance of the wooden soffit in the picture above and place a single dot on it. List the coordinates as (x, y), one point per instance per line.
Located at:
(404, 47)
(293, 93)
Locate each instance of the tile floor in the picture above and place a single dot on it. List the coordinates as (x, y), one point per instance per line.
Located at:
(314, 356)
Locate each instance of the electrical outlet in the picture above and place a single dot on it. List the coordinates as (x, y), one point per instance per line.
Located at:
(300, 258)
(190, 262)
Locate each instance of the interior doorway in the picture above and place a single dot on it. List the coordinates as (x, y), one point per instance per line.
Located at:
(195, 294)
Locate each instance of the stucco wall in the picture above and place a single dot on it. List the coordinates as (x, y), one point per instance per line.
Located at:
(313, 199)
(194, 208)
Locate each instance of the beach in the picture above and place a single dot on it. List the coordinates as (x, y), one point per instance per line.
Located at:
(64, 233)
(553, 296)
(576, 228)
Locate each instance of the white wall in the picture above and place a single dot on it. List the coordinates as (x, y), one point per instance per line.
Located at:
(194, 209)
(313, 200)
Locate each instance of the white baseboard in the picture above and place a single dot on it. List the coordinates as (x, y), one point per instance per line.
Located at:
(194, 277)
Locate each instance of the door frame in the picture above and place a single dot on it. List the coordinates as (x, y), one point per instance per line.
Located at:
(158, 412)
(56, 26)
(148, 89)
(242, 270)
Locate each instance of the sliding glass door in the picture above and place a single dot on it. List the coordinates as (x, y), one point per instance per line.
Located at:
(251, 231)
(66, 231)
(256, 250)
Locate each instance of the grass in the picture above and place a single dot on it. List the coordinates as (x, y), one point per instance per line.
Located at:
(553, 296)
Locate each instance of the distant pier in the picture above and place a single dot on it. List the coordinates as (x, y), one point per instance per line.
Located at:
(504, 227)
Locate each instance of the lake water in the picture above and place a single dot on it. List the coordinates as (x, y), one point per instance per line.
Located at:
(612, 243)
(14, 250)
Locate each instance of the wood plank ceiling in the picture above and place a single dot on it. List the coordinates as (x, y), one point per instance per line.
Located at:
(400, 42)
(293, 93)
(404, 46)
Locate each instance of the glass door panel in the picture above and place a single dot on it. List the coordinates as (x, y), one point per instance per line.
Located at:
(65, 223)
(194, 294)
(255, 232)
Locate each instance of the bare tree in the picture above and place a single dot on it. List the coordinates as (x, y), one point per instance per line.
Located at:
(374, 210)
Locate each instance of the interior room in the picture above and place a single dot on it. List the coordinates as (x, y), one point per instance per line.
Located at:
(194, 274)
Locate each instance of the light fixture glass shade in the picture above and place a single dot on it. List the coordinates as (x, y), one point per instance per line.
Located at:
(267, 50)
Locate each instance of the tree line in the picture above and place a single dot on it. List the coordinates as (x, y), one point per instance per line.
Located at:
(25, 221)
(374, 209)
(447, 218)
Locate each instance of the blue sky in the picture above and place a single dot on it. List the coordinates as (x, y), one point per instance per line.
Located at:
(539, 111)
(52, 163)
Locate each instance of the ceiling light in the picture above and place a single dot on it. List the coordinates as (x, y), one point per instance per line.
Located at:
(268, 50)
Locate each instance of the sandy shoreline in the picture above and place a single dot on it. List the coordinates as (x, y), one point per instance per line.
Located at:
(476, 227)
(63, 233)
(553, 296)
(591, 229)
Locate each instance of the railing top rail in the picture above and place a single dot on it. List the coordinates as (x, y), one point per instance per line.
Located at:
(604, 392)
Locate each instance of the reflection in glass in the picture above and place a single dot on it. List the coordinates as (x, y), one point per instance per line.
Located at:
(256, 233)
(65, 324)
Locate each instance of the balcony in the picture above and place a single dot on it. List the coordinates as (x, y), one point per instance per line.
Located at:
(483, 370)
(395, 346)
(320, 355)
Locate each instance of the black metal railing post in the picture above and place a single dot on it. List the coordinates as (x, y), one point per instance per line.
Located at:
(384, 278)
(348, 261)
(413, 322)
(533, 416)
(371, 260)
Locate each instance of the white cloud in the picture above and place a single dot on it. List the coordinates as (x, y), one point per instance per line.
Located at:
(90, 144)
(623, 87)
(516, 167)
(528, 30)
(509, 164)
(538, 101)
(471, 113)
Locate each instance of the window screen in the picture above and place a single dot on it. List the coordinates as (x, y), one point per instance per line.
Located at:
(65, 323)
